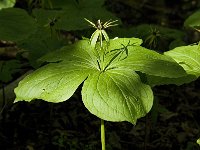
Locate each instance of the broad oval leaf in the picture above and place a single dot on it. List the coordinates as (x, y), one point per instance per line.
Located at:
(16, 24)
(149, 62)
(117, 95)
(53, 83)
(57, 81)
(188, 57)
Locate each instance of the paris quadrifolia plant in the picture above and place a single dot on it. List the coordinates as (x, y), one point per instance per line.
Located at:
(98, 36)
(110, 71)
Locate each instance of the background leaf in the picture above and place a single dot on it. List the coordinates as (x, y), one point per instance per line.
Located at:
(71, 14)
(7, 3)
(16, 24)
(44, 16)
(144, 30)
(188, 57)
(193, 20)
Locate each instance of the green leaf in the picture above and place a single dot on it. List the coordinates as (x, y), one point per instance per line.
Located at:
(57, 82)
(15, 24)
(188, 57)
(149, 62)
(7, 3)
(193, 20)
(53, 83)
(117, 95)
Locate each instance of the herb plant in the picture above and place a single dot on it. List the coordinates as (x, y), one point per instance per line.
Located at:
(112, 89)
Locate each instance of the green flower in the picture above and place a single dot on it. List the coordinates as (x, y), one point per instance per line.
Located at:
(100, 32)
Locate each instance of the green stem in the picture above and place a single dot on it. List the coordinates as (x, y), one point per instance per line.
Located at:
(103, 145)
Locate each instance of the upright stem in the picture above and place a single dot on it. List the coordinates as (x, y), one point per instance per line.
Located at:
(103, 145)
